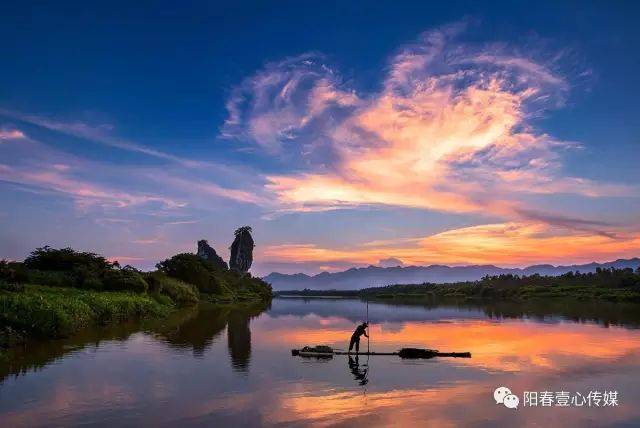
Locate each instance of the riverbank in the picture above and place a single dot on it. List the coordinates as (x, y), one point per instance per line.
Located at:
(57, 292)
(35, 311)
(31, 312)
(194, 326)
(613, 285)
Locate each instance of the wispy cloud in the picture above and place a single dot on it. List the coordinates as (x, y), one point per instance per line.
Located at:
(450, 130)
(38, 167)
(181, 222)
(203, 188)
(100, 134)
(84, 193)
(288, 97)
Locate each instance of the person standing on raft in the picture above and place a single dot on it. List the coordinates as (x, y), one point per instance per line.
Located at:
(355, 337)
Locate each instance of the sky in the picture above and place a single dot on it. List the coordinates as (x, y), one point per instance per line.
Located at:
(345, 133)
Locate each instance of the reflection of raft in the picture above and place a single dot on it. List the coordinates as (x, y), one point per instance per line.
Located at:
(328, 352)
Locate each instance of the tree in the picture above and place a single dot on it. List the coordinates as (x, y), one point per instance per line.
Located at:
(66, 259)
(193, 270)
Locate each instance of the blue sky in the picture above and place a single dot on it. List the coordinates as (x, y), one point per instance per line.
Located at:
(343, 132)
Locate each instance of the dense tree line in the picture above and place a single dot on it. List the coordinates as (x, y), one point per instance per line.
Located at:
(601, 278)
(606, 284)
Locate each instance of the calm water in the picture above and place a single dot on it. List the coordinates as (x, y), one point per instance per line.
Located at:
(213, 367)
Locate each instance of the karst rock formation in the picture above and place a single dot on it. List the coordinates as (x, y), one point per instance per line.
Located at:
(242, 250)
(206, 252)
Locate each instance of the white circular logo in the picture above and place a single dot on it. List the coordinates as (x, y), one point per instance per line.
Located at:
(500, 393)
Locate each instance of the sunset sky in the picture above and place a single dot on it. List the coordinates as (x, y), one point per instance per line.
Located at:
(345, 133)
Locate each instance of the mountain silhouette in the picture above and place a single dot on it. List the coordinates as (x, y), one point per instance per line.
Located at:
(374, 276)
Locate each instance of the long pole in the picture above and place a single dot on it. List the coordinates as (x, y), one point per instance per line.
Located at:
(368, 329)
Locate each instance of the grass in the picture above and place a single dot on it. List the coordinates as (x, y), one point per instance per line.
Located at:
(180, 292)
(51, 312)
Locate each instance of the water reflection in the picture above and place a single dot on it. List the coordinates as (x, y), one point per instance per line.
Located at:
(239, 340)
(195, 329)
(359, 373)
(37, 355)
(206, 323)
(397, 310)
(182, 371)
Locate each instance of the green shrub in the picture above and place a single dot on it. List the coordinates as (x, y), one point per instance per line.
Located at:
(10, 286)
(124, 279)
(52, 278)
(192, 269)
(84, 277)
(180, 292)
(163, 299)
(13, 271)
(243, 285)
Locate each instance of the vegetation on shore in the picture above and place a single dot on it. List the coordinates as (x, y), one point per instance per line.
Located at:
(617, 285)
(56, 292)
(43, 311)
(215, 283)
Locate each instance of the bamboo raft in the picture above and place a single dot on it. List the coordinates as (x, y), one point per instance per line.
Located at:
(407, 353)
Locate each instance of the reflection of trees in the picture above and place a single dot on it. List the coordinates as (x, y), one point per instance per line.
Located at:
(194, 328)
(603, 313)
(403, 309)
(600, 312)
(200, 328)
(239, 335)
(35, 355)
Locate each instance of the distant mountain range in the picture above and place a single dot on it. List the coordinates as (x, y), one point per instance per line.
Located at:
(374, 276)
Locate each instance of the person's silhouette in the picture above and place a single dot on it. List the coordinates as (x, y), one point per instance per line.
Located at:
(355, 337)
(359, 374)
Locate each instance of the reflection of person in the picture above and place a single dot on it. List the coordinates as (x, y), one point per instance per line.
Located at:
(355, 337)
(359, 375)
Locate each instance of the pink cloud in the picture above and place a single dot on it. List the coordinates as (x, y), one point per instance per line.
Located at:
(207, 188)
(273, 106)
(84, 193)
(450, 131)
(11, 134)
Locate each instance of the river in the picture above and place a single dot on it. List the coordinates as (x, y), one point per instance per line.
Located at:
(211, 366)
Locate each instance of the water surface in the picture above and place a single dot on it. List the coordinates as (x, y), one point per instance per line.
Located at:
(219, 366)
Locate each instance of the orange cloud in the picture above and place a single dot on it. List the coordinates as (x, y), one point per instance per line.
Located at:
(450, 130)
(503, 243)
